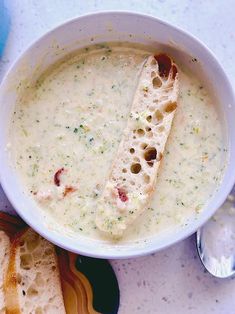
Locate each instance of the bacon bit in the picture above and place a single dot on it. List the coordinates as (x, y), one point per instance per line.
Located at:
(68, 190)
(164, 64)
(57, 176)
(122, 195)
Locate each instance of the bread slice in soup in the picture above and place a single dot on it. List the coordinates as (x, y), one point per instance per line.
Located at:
(133, 173)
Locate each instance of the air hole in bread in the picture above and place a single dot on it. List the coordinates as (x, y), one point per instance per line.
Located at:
(149, 118)
(48, 251)
(150, 163)
(156, 82)
(158, 115)
(140, 132)
(148, 129)
(164, 98)
(39, 280)
(150, 153)
(32, 243)
(146, 178)
(51, 299)
(153, 74)
(26, 261)
(36, 254)
(32, 291)
(161, 128)
(53, 268)
(135, 168)
(170, 107)
(38, 310)
(22, 243)
(132, 150)
(143, 145)
(51, 309)
(132, 182)
(153, 62)
(150, 134)
(18, 278)
(124, 170)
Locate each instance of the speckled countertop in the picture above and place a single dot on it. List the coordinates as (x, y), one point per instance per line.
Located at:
(171, 281)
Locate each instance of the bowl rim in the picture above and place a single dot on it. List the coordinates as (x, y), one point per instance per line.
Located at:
(182, 234)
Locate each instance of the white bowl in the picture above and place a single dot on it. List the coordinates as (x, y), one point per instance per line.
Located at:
(97, 28)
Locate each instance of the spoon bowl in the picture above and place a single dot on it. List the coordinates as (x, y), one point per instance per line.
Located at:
(216, 241)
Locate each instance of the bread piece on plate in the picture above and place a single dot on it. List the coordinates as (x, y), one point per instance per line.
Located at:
(32, 283)
(133, 174)
(4, 259)
(9, 225)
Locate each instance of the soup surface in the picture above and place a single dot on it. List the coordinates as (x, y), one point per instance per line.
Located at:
(66, 129)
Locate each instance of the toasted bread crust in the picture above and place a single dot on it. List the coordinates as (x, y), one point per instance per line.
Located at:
(4, 260)
(11, 282)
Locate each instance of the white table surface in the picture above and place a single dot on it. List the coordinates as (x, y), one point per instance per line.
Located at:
(173, 280)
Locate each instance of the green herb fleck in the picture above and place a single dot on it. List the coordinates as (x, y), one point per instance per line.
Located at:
(196, 130)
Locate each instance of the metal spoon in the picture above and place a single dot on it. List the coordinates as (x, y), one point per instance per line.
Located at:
(216, 240)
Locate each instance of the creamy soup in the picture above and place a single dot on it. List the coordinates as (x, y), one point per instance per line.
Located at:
(66, 129)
